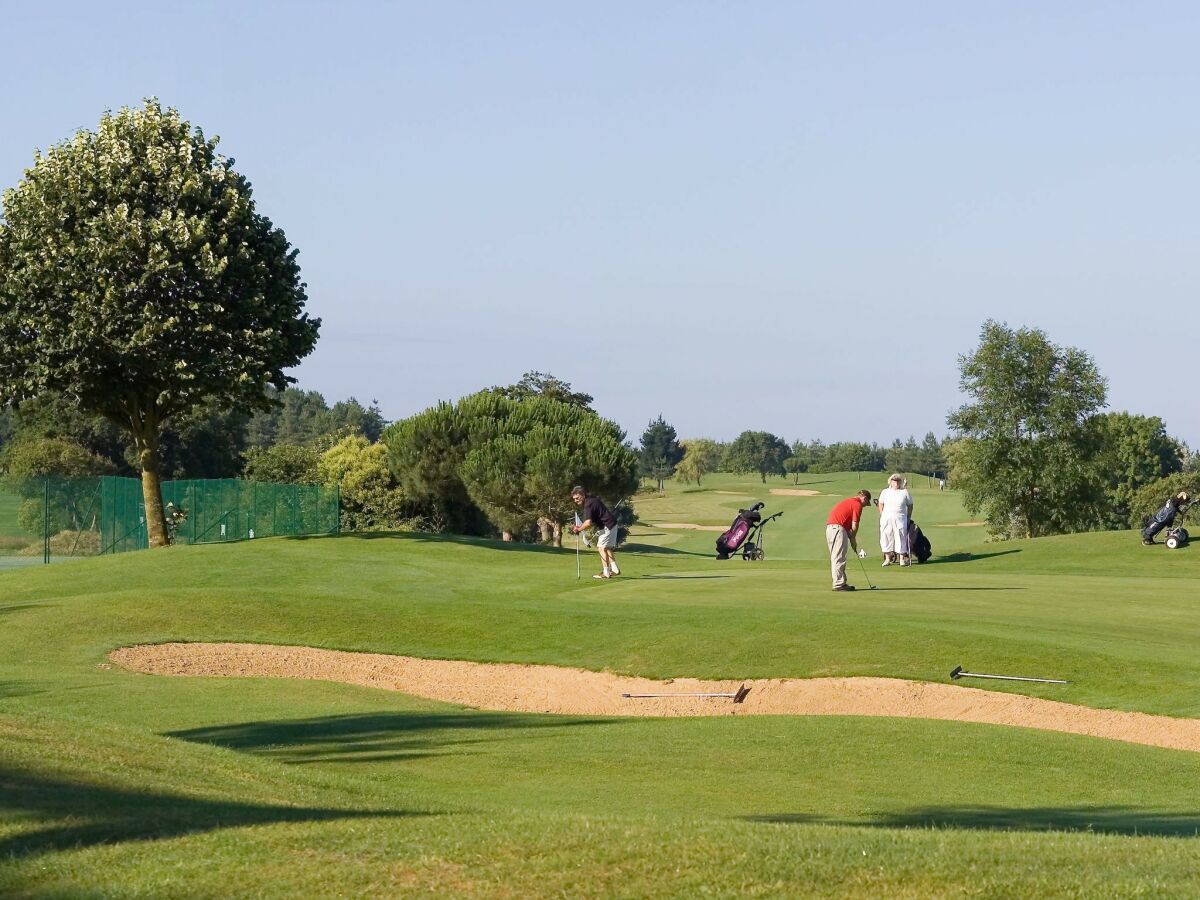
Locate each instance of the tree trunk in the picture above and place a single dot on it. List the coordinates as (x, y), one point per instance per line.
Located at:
(506, 536)
(558, 533)
(546, 528)
(156, 519)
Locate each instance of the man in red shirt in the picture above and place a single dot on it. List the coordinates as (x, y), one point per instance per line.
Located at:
(842, 528)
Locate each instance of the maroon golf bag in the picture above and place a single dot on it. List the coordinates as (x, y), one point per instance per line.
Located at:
(731, 541)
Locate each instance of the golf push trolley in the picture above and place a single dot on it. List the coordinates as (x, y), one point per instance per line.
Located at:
(745, 535)
(1170, 517)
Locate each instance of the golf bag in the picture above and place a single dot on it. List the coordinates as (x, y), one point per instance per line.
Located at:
(1177, 535)
(745, 534)
(733, 538)
(918, 544)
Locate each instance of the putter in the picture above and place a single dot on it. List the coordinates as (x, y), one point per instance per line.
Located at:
(865, 575)
(736, 696)
(578, 540)
(959, 673)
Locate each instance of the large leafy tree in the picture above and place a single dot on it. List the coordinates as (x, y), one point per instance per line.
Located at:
(425, 453)
(1023, 454)
(903, 457)
(700, 457)
(138, 279)
(525, 456)
(1133, 451)
(933, 460)
(350, 415)
(507, 461)
(371, 500)
(303, 417)
(283, 464)
(8, 425)
(543, 384)
(71, 490)
(757, 451)
(852, 456)
(660, 451)
(206, 442)
(812, 454)
(50, 415)
(795, 466)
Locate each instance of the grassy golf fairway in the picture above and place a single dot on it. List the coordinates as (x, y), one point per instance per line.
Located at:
(116, 784)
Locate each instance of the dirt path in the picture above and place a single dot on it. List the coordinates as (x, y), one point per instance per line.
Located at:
(550, 689)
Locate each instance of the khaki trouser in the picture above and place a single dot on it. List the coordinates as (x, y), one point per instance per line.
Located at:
(838, 541)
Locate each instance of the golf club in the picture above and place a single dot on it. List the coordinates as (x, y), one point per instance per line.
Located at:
(865, 575)
(578, 539)
(959, 673)
(736, 696)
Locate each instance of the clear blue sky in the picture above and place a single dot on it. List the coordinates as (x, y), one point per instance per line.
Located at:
(780, 216)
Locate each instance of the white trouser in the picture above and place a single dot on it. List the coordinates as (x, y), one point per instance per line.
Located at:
(893, 533)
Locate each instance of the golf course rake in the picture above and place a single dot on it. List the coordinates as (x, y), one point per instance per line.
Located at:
(736, 696)
(959, 673)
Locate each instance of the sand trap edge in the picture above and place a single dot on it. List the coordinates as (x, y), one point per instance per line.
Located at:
(509, 687)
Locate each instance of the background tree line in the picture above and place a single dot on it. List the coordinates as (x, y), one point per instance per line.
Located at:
(1033, 452)
(765, 454)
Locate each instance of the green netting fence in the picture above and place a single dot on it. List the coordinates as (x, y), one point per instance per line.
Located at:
(46, 519)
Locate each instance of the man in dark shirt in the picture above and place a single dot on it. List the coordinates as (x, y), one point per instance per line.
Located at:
(595, 513)
(841, 528)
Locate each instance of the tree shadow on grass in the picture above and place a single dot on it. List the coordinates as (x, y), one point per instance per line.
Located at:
(654, 550)
(416, 537)
(681, 577)
(1120, 820)
(374, 737)
(967, 557)
(421, 537)
(16, 607)
(9, 689)
(75, 814)
(924, 589)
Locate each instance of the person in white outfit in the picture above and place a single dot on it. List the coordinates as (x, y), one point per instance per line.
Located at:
(895, 506)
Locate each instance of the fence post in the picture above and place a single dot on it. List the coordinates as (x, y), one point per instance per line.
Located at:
(46, 521)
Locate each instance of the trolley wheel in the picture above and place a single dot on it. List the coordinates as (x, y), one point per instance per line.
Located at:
(1177, 538)
(760, 555)
(1172, 542)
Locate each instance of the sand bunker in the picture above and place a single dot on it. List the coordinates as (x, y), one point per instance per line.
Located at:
(795, 492)
(689, 526)
(550, 689)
